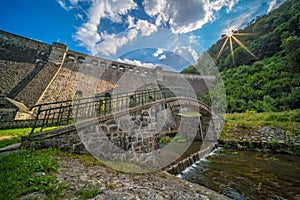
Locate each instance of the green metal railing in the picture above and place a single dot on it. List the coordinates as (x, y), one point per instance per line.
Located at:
(70, 111)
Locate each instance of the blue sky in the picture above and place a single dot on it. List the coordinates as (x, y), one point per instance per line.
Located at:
(143, 32)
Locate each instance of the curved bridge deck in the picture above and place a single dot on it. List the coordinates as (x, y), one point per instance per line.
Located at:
(55, 114)
(113, 125)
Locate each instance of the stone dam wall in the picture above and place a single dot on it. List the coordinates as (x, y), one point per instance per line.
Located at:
(24, 68)
(19, 49)
(12, 73)
(33, 72)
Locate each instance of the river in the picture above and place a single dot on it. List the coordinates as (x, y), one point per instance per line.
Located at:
(248, 174)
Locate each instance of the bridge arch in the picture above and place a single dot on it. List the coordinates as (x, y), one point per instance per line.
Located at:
(125, 132)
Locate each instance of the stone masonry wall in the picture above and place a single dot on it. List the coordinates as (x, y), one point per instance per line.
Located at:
(69, 80)
(198, 84)
(20, 49)
(32, 92)
(103, 137)
(11, 73)
(22, 61)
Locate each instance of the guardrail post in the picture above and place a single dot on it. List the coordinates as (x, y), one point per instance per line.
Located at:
(107, 106)
(77, 110)
(61, 110)
(69, 113)
(35, 121)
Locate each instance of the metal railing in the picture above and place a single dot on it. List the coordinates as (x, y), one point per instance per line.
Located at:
(56, 114)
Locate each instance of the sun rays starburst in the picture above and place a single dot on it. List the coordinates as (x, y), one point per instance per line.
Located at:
(231, 36)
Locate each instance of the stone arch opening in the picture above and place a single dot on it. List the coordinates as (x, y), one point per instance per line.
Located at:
(122, 68)
(94, 62)
(114, 66)
(103, 64)
(78, 94)
(70, 58)
(81, 59)
(131, 69)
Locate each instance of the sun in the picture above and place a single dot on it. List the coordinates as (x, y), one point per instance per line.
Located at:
(230, 35)
(229, 32)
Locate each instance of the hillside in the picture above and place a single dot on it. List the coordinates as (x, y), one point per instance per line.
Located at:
(270, 82)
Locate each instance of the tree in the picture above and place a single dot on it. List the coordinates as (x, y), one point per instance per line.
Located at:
(291, 46)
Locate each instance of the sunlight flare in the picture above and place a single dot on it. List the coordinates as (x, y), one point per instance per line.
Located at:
(244, 47)
(229, 35)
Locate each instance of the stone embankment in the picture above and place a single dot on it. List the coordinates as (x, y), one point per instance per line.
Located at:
(262, 137)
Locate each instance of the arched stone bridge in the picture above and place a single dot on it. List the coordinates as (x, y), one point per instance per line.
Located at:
(120, 128)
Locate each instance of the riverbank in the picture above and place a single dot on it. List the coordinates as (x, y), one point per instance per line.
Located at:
(276, 131)
(53, 174)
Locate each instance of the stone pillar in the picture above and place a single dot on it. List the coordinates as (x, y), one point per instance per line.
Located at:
(58, 52)
(159, 74)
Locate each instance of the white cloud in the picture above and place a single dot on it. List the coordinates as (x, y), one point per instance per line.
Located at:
(74, 2)
(193, 38)
(187, 52)
(185, 17)
(158, 52)
(130, 21)
(63, 4)
(146, 27)
(113, 42)
(180, 16)
(137, 63)
(237, 23)
(88, 33)
(162, 57)
(274, 4)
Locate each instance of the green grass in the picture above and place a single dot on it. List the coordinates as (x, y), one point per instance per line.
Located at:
(288, 121)
(87, 193)
(30, 171)
(12, 136)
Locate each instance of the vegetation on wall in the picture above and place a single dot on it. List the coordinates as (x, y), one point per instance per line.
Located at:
(271, 82)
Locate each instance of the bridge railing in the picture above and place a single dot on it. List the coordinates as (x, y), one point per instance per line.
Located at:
(61, 113)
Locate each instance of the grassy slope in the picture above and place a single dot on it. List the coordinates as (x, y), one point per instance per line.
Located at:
(288, 121)
(12, 136)
(30, 171)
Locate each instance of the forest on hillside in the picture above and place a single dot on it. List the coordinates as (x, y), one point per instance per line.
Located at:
(271, 81)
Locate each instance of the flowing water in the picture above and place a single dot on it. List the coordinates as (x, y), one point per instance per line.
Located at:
(248, 174)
